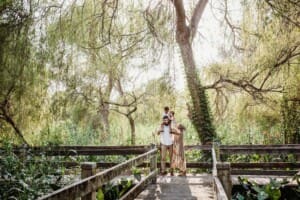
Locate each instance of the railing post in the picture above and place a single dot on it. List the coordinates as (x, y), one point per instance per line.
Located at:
(216, 146)
(88, 169)
(224, 174)
(153, 163)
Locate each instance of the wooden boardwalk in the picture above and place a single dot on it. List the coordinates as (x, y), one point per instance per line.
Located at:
(191, 187)
(217, 186)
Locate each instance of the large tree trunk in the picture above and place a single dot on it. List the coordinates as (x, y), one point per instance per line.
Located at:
(200, 112)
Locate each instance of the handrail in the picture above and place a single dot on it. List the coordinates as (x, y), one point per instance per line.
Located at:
(71, 164)
(126, 150)
(214, 158)
(259, 149)
(92, 183)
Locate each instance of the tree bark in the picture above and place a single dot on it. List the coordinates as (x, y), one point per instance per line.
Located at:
(104, 107)
(132, 129)
(128, 113)
(200, 112)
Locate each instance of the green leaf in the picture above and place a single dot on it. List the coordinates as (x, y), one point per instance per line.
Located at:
(262, 195)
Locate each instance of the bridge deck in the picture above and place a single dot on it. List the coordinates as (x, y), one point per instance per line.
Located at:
(191, 187)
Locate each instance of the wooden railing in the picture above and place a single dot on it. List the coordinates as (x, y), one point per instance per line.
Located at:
(126, 150)
(83, 150)
(237, 168)
(221, 170)
(262, 168)
(87, 188)
(260, 149)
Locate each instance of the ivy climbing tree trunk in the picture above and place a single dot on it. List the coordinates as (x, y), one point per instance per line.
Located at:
(199, 111)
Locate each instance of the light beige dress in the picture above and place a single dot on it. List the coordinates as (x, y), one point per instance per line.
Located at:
(178, 158)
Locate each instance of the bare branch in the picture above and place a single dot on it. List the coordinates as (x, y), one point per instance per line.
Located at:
(245, 85)
(283, 12)
(197, 13)
(232, 27)
(148, 17)
(284, 57)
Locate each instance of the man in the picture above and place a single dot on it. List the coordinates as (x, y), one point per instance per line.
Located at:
(166, 143)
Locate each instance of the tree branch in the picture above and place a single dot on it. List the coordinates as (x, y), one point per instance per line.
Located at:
(245, 85)
(197, 13)
(180, 14)
(284, 57)
(283, 13)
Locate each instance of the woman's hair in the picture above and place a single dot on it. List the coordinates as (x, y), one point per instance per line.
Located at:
(172, 112)
(181, 127)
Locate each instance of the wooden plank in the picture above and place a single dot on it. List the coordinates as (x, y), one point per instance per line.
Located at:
(126, 150)
(251, 149)
(202, 165)
(219, 190)
(198, 147)
(281, 165)
(85, 150)
(260, 145)
(137, 189)
(98, 152)
(190, 187)
(66, 147)
(92, 183)
(263, 172)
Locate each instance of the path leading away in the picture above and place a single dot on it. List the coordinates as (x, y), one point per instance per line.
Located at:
(191, 187)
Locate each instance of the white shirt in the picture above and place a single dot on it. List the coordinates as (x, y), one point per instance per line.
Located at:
(165, 136)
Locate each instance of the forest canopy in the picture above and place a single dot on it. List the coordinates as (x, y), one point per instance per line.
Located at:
(83, 72)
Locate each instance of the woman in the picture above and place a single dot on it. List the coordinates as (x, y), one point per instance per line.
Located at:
(178, 158)
(172, 119)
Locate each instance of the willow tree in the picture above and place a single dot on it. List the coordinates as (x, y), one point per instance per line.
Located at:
(108, 36)
(14, 52)
(185, 33)
(260, 70)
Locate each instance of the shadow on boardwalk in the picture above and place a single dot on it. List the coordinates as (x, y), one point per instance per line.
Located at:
(179, 188)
